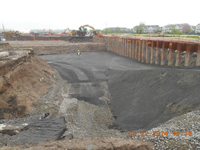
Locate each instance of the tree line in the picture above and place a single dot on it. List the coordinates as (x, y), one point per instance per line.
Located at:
(142, 28)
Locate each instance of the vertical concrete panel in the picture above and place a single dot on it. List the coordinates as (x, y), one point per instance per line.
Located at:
(178, 54)
(147, 52)
(139, 50)
(116, 50)
(170, 55)
(152, 52)
(119, 46)
(136, 49)
(126, 49)
(108, 44)
(163, 54)
(112, 44)
(129, 49)
(115, 45)
(198, 56)
(143, 47)
(133, 48)
(121, 43)
(187, 55)
(123, 47)
(157, 52)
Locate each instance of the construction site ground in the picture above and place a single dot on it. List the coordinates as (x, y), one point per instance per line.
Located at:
(105, 95)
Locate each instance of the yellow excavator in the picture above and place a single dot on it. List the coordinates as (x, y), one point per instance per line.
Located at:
(10, 34)
(70, 33)
(94, 30)
(51, 32)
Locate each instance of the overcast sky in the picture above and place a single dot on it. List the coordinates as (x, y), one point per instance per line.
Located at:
(61, 14)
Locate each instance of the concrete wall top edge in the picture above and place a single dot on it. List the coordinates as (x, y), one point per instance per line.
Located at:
(159, 40)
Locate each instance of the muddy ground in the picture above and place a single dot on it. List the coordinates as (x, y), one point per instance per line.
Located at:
(142, 96)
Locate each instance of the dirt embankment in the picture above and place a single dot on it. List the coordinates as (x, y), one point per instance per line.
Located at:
(4, 46)
(90, 144)
(57, 47)
(23, 80)
(146, 98)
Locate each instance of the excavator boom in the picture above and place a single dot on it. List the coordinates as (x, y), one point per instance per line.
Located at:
(10, 34)
(94, 30)
(87, 26)
(4, 30)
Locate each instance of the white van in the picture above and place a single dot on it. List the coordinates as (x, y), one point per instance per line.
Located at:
(2, 39)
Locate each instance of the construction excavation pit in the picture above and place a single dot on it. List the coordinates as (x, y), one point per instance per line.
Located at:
(51, 99)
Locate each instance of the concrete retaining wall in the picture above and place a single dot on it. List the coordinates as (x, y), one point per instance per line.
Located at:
(154, 51)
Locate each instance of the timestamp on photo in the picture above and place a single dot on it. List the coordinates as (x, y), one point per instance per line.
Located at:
(160, 133)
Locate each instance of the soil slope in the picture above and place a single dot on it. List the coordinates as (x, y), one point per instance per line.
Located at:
(143, 96)
(24, 82)
(146, 98)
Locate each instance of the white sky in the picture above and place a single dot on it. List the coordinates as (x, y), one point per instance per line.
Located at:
(61, 14)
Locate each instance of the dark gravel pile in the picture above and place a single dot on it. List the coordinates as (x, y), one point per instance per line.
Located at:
(146, 98)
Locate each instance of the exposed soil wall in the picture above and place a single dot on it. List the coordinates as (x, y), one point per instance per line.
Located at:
(5, 46)
(74, 39)
(22, 81)
(146, 98)
(57, 47)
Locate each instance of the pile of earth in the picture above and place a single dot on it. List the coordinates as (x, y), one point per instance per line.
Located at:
(24, 82)
(144, 99)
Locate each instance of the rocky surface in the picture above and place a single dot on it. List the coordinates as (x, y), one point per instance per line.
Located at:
(90, 144)
(181, 132)
(31, 130)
